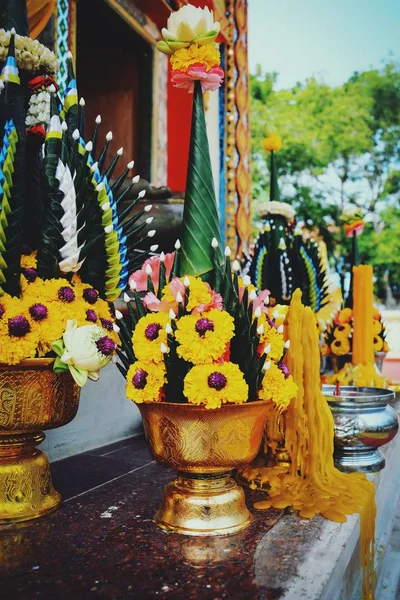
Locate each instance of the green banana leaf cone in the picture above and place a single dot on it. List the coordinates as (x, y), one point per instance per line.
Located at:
(200, 216)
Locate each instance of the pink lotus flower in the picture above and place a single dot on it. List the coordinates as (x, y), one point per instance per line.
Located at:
(259, 301)
(210, 80)
(140, 276)
(153, 304)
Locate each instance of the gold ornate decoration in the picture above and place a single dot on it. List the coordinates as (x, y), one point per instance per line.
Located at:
(204, 446)
(237, 138)
(221, 17)
(32, 398)
(243, 175)
(230, 128)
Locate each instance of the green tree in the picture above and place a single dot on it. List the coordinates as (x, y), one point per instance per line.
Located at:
(340, 145)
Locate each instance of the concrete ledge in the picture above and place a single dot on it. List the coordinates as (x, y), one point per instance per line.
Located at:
(318, 559)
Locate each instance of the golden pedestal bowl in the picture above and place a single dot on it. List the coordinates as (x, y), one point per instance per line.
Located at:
(32, 398)
(204, 446)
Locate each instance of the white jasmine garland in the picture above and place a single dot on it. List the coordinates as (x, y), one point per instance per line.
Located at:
(278, 208)
(39, 108)
(30, 54)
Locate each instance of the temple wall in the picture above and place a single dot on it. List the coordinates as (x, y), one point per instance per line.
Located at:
(104, 416)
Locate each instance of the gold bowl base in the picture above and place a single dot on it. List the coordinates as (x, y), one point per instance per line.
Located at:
(203, 505)
(26, 489)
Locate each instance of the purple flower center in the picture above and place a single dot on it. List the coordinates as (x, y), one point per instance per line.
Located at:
(204, 325)
(2, 310)
(106, 324)
(151, 331)
(338, 343)
(217, 381)
(341, 327)
(90, 295)
(139, 379)
(105, 345)
(284, 370)
(66, 294)
(29, 273)
(38, 312)
(18, 326)
(91, 316)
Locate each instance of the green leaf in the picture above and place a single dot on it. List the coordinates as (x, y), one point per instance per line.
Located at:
(200, 215)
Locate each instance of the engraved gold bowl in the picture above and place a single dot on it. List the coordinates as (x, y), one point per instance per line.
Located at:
(204, 446)
(32, 398)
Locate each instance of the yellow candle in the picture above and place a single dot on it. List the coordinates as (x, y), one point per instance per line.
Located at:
(363, 305)
(313, 484)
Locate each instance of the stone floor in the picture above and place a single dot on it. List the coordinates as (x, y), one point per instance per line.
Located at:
(102, 543)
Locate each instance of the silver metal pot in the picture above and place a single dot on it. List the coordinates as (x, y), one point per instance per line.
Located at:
(364, 421)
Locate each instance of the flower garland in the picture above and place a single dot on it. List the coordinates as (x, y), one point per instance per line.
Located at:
(38, 113)
(30, 54)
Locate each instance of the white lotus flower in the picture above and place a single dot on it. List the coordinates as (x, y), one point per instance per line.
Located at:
(86, 350)
(187, 25)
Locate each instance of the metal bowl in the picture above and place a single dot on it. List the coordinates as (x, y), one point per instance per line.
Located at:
(364, 421)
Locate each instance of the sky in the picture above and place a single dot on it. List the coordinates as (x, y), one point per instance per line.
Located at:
(329, 39)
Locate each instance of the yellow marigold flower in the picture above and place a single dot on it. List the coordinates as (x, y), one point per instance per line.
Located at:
(378, 343)
(206, 54)
(271, 336)
(9, 307)
(325, 350)
(377, 327)
(17, 340)
(47, 322)
(148, 336)
(342, 331)
(145, 382)
(340, 347)
(215, 384)
(278, 387)
(199, 293)
(344, 316)
(203, 337)
(29, 261)
(272, 143)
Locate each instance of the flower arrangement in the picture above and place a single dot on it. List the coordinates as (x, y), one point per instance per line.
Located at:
(190, 342)
(189, 41)
(353, 220)
(339, 334)
(67, 243)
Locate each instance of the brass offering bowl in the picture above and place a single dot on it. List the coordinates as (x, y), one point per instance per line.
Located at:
(32, 398)
(204, 446)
